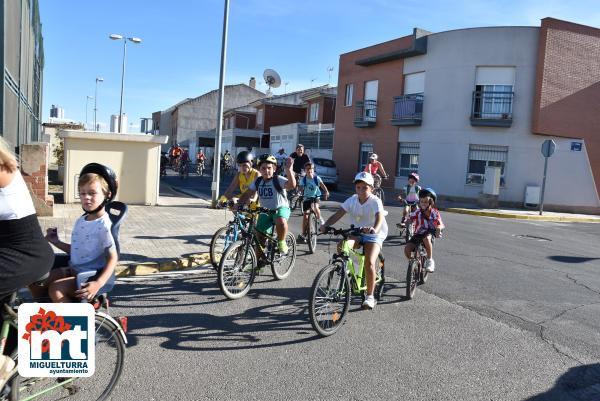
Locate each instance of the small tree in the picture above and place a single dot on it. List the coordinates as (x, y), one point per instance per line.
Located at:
(59, 152)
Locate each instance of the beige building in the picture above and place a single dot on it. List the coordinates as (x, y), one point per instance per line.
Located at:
(135, 159)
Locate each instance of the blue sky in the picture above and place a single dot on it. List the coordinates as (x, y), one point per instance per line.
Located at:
(180, 53)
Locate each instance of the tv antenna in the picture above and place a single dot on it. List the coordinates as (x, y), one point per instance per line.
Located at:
(329, 70)
(272, 79)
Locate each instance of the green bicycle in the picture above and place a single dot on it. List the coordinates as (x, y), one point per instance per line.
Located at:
(110, 354)
(335, 283)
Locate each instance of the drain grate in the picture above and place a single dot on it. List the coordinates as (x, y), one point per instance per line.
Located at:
(532, 237)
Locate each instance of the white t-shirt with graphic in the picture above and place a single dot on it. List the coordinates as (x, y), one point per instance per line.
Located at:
(268, 195)
(363, 215)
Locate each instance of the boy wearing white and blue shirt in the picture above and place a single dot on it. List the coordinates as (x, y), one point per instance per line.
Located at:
(312, 185)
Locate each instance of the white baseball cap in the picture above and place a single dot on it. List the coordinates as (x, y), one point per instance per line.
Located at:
(365, 177)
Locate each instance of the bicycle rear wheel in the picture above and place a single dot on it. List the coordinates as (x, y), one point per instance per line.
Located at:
(236, 270)
(329, 299)
(110, 354)
(283, 265)
(311, 235)
(412, 278)
(221, 239)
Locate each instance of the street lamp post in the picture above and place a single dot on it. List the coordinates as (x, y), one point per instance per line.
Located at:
(87, 98)
(124, 39)
(96, 101)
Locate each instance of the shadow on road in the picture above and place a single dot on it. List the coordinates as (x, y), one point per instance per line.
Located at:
(580, 383)
(571, 259)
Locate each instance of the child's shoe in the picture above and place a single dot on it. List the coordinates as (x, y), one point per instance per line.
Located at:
(430, 265)
(283, 248)
(369, 302)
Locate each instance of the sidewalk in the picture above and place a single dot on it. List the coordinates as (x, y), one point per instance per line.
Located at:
(155, 238)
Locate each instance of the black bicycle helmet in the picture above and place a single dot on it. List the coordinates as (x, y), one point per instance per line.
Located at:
(105, 172)
(428, 192)
(244, 157)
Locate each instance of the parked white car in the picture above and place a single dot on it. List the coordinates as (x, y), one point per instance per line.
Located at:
(327, 170)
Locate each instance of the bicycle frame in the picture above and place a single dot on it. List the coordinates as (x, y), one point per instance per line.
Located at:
(358, 278)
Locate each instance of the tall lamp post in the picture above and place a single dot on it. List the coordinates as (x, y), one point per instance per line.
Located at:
(124, 39)
(96, 101)
(87, 98)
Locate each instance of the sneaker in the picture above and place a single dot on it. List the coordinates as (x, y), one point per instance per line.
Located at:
(322, 222)
(400, 225)
(369, 302)
(430, 265)
(301, 239)
(283, 248)
(6, 367)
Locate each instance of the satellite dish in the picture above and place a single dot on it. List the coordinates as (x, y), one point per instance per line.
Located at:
(272, 79)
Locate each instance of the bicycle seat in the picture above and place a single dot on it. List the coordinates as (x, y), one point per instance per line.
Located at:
(116, 212)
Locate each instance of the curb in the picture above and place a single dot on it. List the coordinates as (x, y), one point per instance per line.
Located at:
(149, 268)
(564, 219)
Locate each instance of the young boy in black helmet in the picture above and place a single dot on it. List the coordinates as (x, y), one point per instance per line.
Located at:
(92, 247)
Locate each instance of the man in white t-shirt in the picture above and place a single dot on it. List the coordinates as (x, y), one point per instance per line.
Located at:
(365, 210)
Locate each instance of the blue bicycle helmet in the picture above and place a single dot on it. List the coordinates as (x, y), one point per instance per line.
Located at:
(428, 192)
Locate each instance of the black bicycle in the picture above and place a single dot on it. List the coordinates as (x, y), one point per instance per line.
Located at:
(240, 263)
(312, 229)
(416, 273)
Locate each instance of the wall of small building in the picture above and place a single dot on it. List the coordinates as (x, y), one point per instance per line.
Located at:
(383, 135)
(279, 115)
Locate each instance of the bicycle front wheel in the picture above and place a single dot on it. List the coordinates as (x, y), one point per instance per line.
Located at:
(110, 355)
(237, 270)
(283, 265)
(221, 239)
(379, 277)
(329, 299)
(311, 235)
(412, 278)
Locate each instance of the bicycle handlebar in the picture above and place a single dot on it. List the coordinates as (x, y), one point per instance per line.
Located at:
(343, 232)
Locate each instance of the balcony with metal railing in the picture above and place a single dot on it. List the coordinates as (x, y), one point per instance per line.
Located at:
(365, 113)
(492, 109)
(408, 110)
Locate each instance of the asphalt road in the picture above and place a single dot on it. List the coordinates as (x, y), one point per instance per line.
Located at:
(512, 313)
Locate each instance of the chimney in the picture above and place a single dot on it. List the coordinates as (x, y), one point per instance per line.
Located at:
(252, 83)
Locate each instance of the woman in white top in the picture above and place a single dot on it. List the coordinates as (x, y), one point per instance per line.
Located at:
(366, 211)
(25, 255)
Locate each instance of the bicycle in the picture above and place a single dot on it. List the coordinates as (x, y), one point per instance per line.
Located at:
(377, 190)
(296, 196)
(408, 229)
(416, 273)
(200, 167)
(335, 283)
(184, 169)
(312, 229)
(227, 235)
(110, 354)
(239, 264)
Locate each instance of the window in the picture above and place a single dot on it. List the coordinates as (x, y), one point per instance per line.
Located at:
(314, 112)
(494, 101)
(365, 151)
(482, 156)
(408, 158)
(349, 93)
(259, 116)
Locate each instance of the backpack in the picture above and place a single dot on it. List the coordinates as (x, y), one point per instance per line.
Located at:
(276, 184)
(315, 179)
